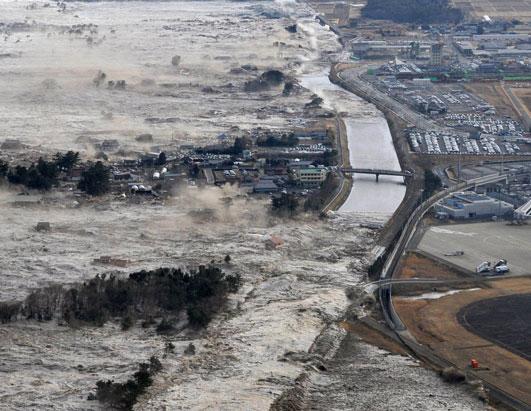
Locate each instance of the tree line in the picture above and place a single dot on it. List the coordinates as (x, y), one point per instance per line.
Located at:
(44, 174)
(161, 293)
(122, 396)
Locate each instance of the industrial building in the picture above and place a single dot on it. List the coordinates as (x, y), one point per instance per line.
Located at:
(468, 205)
(436, 54)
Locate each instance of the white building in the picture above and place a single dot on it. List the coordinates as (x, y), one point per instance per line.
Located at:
(469, 204)
(310, 176)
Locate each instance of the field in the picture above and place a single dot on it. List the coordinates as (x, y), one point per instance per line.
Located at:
(434, 323)
(488, 321)
(416, 265)
(505, 321)
(496, 9)
(494, 95)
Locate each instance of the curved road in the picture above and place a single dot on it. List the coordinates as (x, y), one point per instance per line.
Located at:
(385, 292)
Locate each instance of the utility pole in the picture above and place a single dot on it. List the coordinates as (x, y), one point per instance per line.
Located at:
(499, 200)
(459, 167)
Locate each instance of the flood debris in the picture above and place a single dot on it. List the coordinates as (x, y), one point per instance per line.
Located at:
(43, 226)
(273, 242)
(109, 260)
(190, 349)
(452, 375)
(144, 138)
(175, 61)
(267, 80)
(292, 28)
(99, 78)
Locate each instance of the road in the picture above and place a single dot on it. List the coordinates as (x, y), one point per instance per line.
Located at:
(385, 292)
(341, 190)
(363, 89)
(352, 81)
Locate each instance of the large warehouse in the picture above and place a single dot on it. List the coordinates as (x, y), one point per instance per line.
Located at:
(469, 204)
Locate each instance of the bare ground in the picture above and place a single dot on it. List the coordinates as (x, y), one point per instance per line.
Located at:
(434, 323)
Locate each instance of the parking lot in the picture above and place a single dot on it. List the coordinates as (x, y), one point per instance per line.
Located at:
(433, 142)
(434, 98)
(480, 242)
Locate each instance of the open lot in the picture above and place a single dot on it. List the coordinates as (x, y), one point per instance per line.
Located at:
(505, 321)
(493, 94)
(480, 242)
(496, 9)
(434, 323)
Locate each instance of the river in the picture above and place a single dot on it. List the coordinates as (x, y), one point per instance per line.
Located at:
(370, 146)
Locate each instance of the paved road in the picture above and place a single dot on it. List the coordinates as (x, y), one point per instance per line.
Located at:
(366, 90)
(385, 292)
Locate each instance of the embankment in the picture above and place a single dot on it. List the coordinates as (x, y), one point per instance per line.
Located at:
(415, 183)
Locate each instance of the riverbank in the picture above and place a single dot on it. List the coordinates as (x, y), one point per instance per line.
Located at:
(415, 184)
(345, 186)
(370, 145)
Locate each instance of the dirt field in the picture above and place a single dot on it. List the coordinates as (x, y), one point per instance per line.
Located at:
(522, 96)
(434, 323)
(505, 321)
(418, 266)
(493, 94)
(496, 9)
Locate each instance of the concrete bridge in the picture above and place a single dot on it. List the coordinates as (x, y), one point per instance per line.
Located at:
(377, 172)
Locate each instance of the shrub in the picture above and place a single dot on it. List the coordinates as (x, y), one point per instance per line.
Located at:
(122, 396)
(96, 180)
(165, 326)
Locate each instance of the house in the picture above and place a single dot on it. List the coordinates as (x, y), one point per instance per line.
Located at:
(265, 186)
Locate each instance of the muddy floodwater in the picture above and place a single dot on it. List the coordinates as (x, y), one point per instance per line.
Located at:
(370, 146)
(293, 296)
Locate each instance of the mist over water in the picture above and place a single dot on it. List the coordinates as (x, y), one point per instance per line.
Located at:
(49, 62)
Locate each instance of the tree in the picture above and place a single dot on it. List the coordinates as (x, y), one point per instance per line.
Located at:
(123, 396)
(40, 176)
(318, 198)
(330, 157)
(47, 169)
(432, 182)
(162, 159)
(4, 168)
(95, 180)
(240, 144)
(67, 161)
(285, 204)
(18, 176)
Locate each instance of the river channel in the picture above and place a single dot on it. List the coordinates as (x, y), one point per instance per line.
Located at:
(370, 146)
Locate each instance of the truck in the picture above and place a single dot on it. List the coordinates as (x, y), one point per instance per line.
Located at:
(501, 267)
(484, 267)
